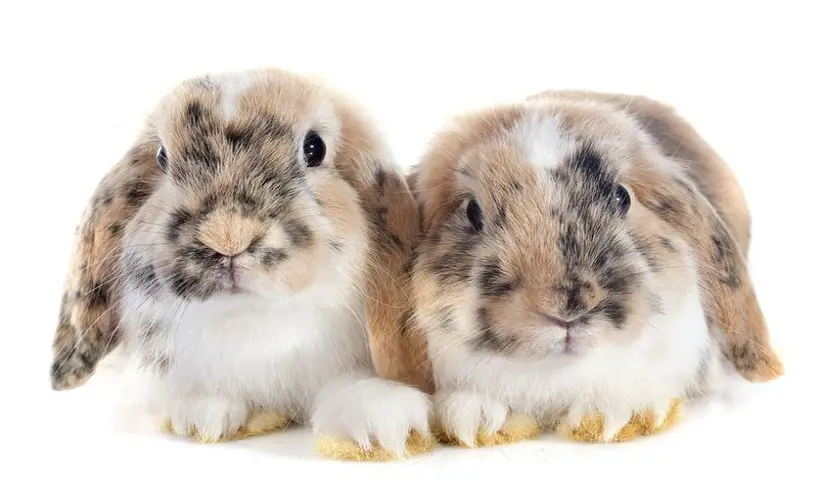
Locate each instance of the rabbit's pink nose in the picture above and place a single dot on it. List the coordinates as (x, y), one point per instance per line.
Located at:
(229, 234)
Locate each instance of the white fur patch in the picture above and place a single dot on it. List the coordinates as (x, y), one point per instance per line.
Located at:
(242, 350)
(540, 139)
(371, 410)
(231, 86)
(212, 416)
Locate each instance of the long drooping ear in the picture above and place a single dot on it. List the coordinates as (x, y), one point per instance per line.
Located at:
(731, 301)
(398, 348)
(726, 288)
(720, 232)
(88, 320)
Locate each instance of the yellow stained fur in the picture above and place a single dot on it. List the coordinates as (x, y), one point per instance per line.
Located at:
(641, 424)
(347, 450)
(518, 427)
(259, 423)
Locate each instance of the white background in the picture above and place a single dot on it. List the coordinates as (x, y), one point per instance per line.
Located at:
(78, 78)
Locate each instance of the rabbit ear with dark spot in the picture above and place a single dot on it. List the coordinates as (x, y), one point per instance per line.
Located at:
(732, 303)
(727, 293)
(88, 319)
(398, 349)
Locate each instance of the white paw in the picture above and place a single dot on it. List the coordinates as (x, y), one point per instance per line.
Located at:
(607, 422)
(207, 419)
(463, 413)
(372, 410)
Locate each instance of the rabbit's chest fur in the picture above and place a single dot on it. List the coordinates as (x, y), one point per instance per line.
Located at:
(664, 362)
(251, 349)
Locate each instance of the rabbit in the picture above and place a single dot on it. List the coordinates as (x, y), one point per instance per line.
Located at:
(582, 268)
(250, 255)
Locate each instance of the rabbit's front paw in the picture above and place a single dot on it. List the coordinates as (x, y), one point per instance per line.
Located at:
(472, 420)
(592, 425)
(260, 422)
(372, 419)
(206, 419)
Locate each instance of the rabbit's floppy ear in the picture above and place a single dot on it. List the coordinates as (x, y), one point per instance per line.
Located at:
(731, 301)
(727, 293)
(88, 318)
(398, 348)
(715, 220)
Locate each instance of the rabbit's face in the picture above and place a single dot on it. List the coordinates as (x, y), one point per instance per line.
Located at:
(249, 200)
(544, 248)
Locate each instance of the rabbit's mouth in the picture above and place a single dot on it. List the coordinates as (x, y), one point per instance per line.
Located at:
(231, 276)
(232, 282)
(562, 341)
(569, 346)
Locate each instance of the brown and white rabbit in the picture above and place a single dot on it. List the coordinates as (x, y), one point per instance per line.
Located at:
(251, 253)
(582, 263)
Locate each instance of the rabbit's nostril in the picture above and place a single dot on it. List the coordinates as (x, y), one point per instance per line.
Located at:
(567, 321)
(560, 322)
(227, 255)
(227, 248)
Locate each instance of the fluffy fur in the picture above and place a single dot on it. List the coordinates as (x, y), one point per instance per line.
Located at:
(242, 279)
(583, 263)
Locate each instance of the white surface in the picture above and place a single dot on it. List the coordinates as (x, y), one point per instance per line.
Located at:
(78, 78)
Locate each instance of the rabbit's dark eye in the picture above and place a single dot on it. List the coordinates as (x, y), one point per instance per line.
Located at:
(475, 215)
(622, 199)
(314, 149)
(162, 158)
